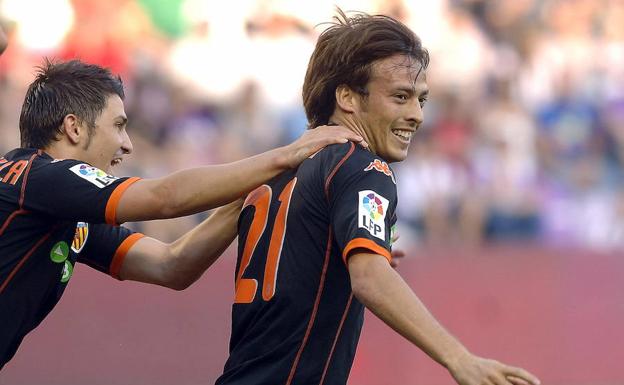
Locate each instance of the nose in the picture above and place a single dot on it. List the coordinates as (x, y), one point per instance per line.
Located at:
(415, 113)
(126, 144)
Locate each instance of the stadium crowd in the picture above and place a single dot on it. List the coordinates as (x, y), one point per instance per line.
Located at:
(524, 128)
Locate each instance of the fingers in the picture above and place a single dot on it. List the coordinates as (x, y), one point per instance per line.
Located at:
(517, 380)
(398, 253)
(515, 375)
(396, 257)
(340, 134)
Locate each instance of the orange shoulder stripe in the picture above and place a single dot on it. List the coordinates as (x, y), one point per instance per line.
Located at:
(363, 243)
(120, 254)
(113, 201)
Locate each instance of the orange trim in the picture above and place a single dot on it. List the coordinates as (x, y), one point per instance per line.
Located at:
(331, 352)
(120, 254)
(25, 258)
(363, 243)
(335, 170)
(319, 292)
(113, 201)
(25, 180)
(10, 218)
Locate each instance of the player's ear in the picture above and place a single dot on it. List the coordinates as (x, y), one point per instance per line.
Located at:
(72, 128)
(346, 99)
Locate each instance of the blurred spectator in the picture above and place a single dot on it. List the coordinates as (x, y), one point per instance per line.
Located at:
(523, 135)
(506, 167)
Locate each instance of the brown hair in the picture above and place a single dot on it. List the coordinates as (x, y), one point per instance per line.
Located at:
(62, 88)
(344, 55)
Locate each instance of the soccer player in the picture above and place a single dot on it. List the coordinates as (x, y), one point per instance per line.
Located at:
(59, 203)
(315, 242)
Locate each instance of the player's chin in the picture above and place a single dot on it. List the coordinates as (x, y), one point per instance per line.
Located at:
(396, 155)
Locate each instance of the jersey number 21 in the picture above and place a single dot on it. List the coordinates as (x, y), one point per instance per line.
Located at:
(260, 198)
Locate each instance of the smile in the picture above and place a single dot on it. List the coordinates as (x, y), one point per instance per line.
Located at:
(405, 135)
(116, 161)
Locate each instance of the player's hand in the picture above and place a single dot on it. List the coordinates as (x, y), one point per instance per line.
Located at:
(397, 254)
(313, 140)
(473, 370)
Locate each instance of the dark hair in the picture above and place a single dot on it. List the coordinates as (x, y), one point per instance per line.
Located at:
(344, 55)
(62, 88)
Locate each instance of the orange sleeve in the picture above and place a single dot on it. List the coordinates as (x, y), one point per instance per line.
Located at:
(363, 243)
(113, 201)
(121, 252)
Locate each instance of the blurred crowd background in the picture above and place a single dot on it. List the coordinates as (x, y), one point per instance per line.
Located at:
(523, 139)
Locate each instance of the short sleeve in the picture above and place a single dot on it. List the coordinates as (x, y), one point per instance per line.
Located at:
(362, 199)
(104, 247)
(74, 191)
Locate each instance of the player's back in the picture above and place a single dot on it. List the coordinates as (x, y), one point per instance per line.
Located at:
(295, 319)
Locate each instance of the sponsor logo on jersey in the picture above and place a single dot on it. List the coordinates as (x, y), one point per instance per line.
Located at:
(372, 209)
(80, 237)
(59, 252)
(93, 175)
(68, 270)
(382, 167)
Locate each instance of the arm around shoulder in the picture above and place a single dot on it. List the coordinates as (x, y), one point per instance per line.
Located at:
(178, 264)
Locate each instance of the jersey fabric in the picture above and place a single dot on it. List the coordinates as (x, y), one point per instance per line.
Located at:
(295, 319)
(53, 213)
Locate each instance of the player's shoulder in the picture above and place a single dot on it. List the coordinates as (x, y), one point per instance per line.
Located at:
(351, 160)
(43, 164)
(343, 153)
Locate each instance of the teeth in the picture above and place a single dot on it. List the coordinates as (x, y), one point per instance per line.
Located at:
(403, 134)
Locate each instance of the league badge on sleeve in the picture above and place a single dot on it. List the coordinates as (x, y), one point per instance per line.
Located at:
(93, 175)
(372, 209)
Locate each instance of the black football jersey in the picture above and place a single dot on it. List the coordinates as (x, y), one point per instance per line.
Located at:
(295, 319)
(53, 213)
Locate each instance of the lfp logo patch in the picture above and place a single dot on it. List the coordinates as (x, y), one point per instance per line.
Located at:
(93, 175)
(372, 210)
(382, 167)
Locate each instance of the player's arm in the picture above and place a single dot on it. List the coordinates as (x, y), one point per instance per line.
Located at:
(199, 189)
(382, 290)
(177, 265)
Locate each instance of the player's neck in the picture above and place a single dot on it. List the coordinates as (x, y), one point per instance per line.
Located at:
(60, 150)
(351, 122)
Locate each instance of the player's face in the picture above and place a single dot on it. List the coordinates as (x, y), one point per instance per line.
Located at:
(110, 141)
(392, 111)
